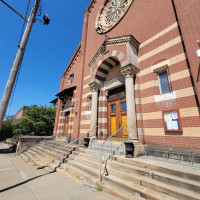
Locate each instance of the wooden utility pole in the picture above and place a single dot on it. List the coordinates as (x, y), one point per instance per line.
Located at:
(17, 62)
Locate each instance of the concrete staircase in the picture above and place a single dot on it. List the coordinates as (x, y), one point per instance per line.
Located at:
(48, 154)
(137, 178)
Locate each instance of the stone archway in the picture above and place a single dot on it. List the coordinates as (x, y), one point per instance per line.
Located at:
(127, 48)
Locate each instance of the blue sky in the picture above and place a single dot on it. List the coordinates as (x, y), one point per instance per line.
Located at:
(48, 51)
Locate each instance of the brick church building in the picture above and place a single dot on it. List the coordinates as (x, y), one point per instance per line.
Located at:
(136, 65)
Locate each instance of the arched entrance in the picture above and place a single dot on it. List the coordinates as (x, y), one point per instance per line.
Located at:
(107, 113)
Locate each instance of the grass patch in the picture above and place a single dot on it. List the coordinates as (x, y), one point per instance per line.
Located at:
(100, 188)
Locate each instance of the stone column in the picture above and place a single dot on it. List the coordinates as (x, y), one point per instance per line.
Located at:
(94, 110)
(129, 71)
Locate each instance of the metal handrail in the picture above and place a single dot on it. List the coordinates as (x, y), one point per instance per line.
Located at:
(101, 152)
(63, 148)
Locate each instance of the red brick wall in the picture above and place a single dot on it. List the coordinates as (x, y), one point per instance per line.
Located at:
(144, 20)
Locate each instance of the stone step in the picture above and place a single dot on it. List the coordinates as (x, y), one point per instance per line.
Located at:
(24, 157)
(33, 149)
(44, 159)
(168, 189)
(144, 177)
(178, 170)
(132, 161)
(128, 168)
(35, 160)
(163, 178)
(106, 187)
(89, 163)
(57, 162)
(46, 152)
(90, 157)
(96, 153)
(131, 188)
(106, 151)
(53, 166)
(94, 157)
(75, 153)
(60, 145)
(114, 143)
(181, 182)
(61, 148)
(51, 148)
(105, 146)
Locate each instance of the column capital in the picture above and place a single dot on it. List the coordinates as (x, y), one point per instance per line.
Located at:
(94, 86)
(129, 71)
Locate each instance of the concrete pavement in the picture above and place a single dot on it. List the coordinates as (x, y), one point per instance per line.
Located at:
(4, 147)
(22, 181)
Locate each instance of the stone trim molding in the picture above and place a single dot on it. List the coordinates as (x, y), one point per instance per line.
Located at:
(73, 60)
(113, 42)
(129, 71)
(94, 86)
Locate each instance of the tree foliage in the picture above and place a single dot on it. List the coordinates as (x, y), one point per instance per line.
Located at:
(39, 121)
(6, 129)
(23, 126)
(43, 118)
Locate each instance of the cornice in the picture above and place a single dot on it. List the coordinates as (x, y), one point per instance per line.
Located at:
(73, 60)
(91, 5)
(112, 42)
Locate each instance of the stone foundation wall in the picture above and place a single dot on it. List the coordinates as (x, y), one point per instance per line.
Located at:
(26, 142)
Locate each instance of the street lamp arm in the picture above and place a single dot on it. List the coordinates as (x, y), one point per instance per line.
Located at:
(14, 10)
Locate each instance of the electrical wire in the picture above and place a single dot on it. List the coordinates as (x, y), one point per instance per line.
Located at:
(13, 93)
(24, 23)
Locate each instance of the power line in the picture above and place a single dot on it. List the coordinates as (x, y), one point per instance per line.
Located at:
(24, 23)
(14, 10)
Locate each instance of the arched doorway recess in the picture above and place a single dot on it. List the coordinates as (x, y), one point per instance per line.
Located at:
(126, 61)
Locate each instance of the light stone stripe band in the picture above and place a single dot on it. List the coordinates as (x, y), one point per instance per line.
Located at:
(160, 49)
(173, 26)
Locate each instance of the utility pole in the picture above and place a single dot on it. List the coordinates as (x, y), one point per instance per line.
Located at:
(17, 62)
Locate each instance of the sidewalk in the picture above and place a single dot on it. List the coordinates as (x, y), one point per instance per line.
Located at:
(4, 147)
(22, 181)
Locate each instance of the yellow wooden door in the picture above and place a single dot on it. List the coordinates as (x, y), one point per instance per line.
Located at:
(66, 124)
(117, 117)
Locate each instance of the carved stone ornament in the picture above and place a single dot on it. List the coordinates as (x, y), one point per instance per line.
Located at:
(95, 87)
(110, 13)
(129, 71)
(113, 42)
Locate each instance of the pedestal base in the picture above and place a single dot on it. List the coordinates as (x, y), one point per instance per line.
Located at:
(139, 147)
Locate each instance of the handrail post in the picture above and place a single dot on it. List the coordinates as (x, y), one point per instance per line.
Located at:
(123, 134)
(61, 152)
(100, 165)
(101, 153)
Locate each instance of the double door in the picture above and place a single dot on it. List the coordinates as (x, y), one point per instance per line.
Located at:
(117, 117)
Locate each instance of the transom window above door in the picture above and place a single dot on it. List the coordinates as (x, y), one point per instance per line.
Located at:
(123, 106)
(113, 108)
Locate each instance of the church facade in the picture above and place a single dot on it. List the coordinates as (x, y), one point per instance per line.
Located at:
(136, 65)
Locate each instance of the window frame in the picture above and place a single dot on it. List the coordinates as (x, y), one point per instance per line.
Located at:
(159, 82)
(179, 121)
(71, 79)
